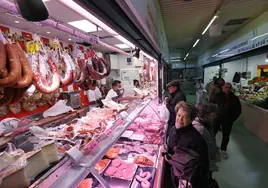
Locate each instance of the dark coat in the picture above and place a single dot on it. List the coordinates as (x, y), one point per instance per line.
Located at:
(189, 137)
(229, 107)
(173, 99)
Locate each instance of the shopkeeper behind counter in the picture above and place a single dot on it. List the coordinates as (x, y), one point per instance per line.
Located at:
(116, 95)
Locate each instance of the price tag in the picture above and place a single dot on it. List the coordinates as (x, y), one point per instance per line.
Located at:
(92, 145)
(108, 132)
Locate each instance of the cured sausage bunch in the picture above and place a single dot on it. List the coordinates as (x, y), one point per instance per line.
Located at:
(15, 74)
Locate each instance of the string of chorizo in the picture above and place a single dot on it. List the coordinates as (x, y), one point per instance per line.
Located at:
(27, 73)
(8, 96)
(14, 66)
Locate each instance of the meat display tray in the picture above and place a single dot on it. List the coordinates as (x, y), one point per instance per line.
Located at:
(136, 184)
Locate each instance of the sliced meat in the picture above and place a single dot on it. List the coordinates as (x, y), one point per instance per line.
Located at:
(110, 171)
(123, 166)
(116, 163)
(131, 167)
(118, 173)
(128, 174)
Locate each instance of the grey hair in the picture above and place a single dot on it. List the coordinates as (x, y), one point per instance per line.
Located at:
(205, 109)
(187, 107)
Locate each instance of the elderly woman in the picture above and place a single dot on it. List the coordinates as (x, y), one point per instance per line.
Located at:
(203, 124)
(184, 135)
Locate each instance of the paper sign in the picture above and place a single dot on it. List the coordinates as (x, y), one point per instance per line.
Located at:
(92, 145)
(108, 132)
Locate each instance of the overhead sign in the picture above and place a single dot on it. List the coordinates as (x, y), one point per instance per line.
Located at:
(252, 40)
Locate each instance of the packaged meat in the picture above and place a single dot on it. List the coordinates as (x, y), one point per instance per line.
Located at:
(102, 165)
(142, 160)
(3, 110)
(15, 108)
(112, 153)
(86, 183)
(28, 106)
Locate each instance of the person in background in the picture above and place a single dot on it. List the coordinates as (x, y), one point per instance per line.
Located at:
(203, 124)
(94, 95)
(199, 91)
(114, 93)
(229, 110)
(184, 135)
(211, 83)
(215, 88)
(136, 89)
(175, 96)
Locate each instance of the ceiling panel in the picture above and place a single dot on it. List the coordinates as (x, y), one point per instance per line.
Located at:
(185, 20)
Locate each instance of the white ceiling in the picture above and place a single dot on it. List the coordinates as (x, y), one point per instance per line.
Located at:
(64, 15)
(185, 20)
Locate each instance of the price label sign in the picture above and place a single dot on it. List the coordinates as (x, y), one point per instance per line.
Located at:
(92, 145)
(108, 132)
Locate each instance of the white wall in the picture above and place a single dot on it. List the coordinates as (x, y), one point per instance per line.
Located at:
(243, 65)
(210, 72)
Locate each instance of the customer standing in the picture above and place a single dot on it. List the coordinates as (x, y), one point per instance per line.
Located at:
(175, 96)
(214, 89)
(203, 124)
(229, 110)
(184, 135)
(199, 91)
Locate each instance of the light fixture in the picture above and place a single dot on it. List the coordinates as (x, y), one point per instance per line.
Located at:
(146, 55)
(187, 55)
(48, 32)
(84, 25)
(196, 42)
(265, 34)
(17, 22)
(122, 46)
(173, 60)
(215, 55)
(83, 12)
(69, 39)
(266, 58)
(210, 23)
(184, 59)
(224, 51)
(175, 57)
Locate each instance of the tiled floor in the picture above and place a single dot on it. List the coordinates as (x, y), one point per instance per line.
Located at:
(247, 166)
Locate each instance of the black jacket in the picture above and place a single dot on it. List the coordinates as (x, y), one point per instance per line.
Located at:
(172, 101)
(189, 137)
(229, 107)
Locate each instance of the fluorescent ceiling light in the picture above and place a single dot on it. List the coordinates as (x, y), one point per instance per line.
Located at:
(122, 46)
(224, 51)
(148, 56)
(265, 34)
(215, 55)
(184, 58)
(84, 25)
(173, 60)
(17, 22)
(122, 39)
(210, 23)
(196, 42)
(83, 12)
(187, 55)
(175, 57)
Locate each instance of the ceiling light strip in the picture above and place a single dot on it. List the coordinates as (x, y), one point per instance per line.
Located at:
(83, 12)
(265, 34)
(196, 42)
(11, 7)
(210, 23)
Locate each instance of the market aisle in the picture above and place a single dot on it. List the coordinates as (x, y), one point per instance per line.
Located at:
(247, 165)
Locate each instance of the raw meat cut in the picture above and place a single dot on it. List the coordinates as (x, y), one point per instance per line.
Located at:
(131, 167)
(123, 166)
(118, 173)
(110, 171)
(142, 160)
(128, 174)
(116, 163)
